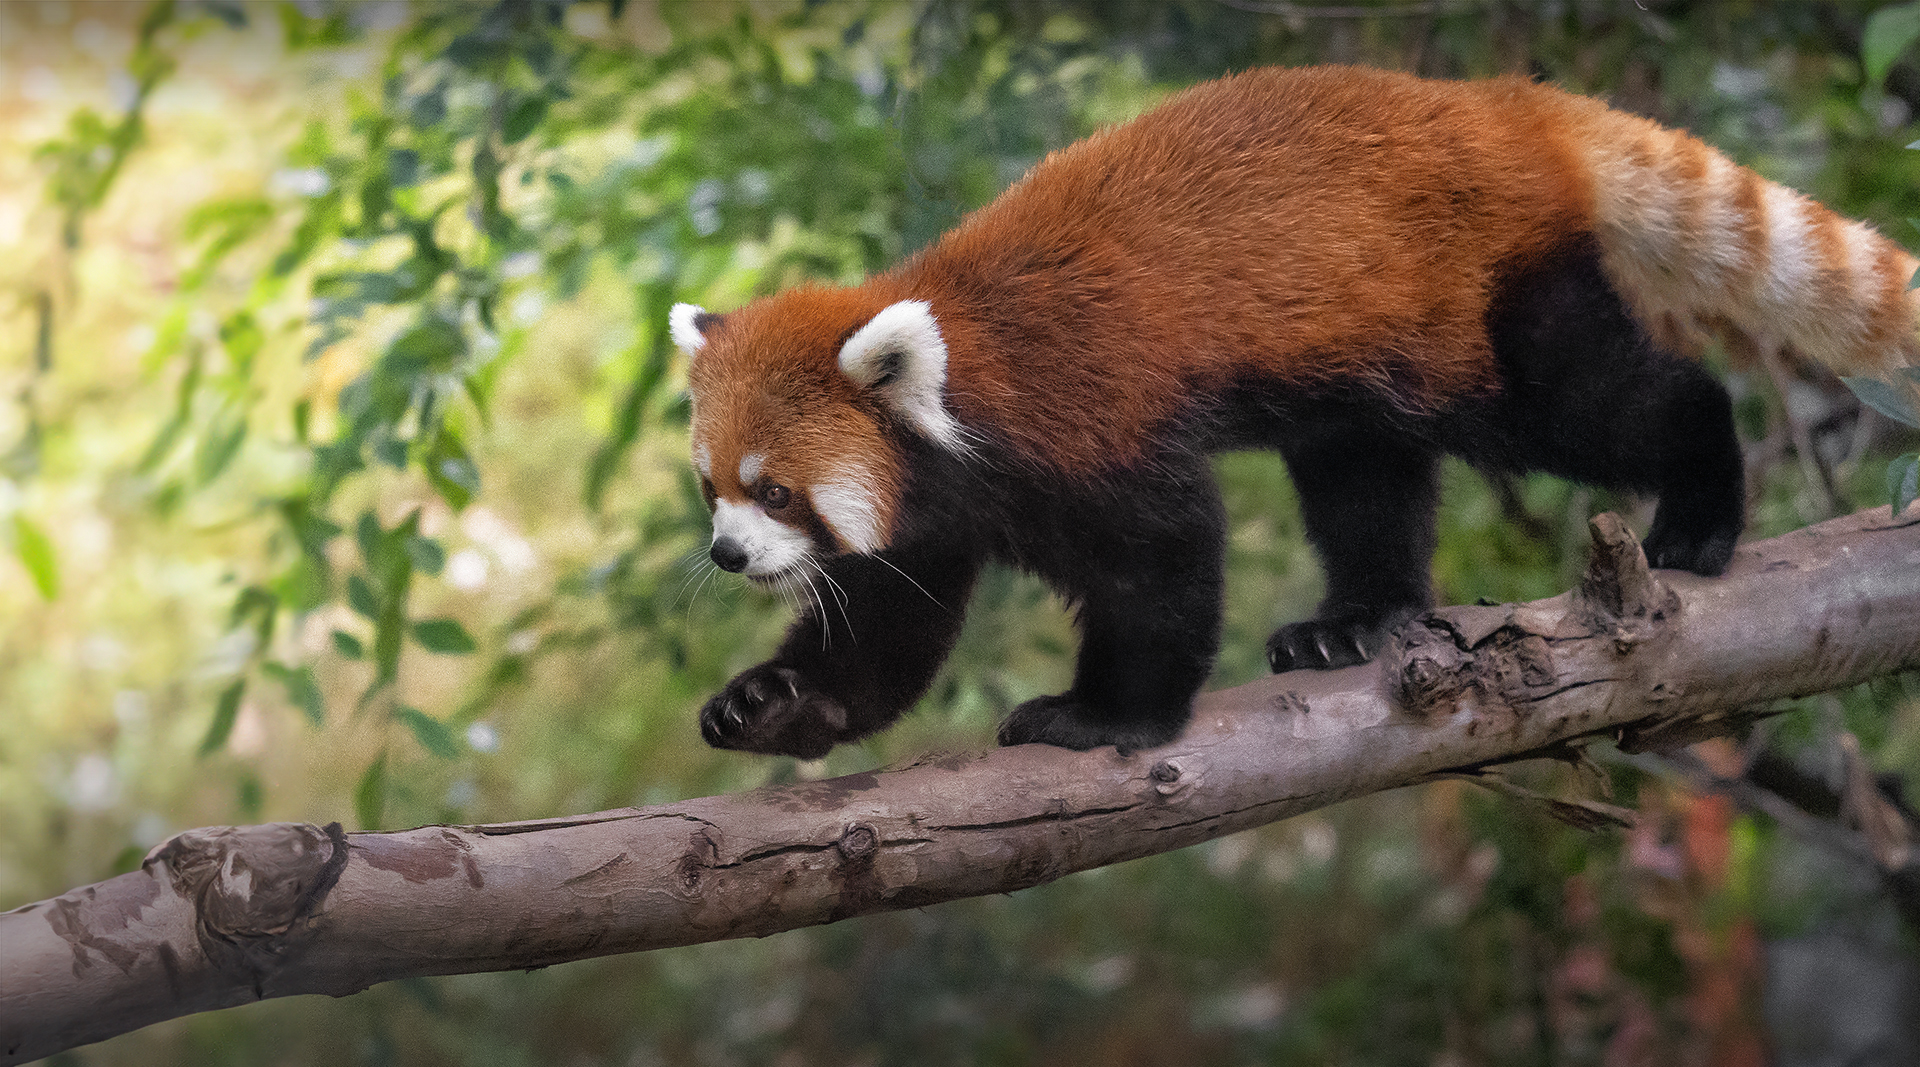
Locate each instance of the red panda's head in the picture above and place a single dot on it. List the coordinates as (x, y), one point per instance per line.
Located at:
(791, 398)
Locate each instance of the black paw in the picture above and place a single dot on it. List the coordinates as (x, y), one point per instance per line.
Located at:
(1064, 721)
(775, 710)
(1708, 555)
(1324, 644)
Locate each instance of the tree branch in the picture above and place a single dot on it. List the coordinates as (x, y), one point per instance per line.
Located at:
(223, 916)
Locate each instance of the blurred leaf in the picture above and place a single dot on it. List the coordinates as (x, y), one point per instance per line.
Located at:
(1885, 399)
(626, 429)
(35, 550)
(259, 604)
(242, 337)
(302, 689)
(445, 636)
(450, 471)
(348, 645)
(389, 630)
(1889, 32)
(219, 444)
(433, 735)
(226, 710)
(370, 794)
(182, 417)
(126, 861)
(524, 118)
(427, 555)
(1903, 481)
(429, 345)
(250, 797)
(360, 596)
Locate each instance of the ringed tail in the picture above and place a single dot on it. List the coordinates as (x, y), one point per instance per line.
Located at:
(1699, 246)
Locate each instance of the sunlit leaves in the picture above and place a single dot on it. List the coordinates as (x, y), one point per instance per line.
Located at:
(35, 550)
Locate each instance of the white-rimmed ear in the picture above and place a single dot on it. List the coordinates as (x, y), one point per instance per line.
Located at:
(900, 355)
(687, 323)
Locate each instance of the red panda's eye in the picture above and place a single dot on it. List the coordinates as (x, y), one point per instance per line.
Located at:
(706, 492)
(775, 496)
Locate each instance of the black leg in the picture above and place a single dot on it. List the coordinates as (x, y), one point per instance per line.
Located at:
(1587, 395)
(1367, 496)
(1144, 567)
(853, 662)
(1695, 456)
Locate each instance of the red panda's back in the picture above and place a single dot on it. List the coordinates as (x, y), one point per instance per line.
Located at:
(1318, 224)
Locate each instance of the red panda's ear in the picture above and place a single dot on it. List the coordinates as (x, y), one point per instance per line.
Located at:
(900, 355)
(689, 323)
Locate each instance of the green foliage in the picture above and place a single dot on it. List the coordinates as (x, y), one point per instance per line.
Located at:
(1896, 403)
(1889, 34)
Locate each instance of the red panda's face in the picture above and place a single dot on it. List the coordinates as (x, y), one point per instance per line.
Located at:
(789, 399)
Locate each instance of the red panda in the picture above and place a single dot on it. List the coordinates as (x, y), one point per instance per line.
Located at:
(1361, 270)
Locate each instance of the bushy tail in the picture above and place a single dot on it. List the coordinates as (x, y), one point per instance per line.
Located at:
(1700, 246)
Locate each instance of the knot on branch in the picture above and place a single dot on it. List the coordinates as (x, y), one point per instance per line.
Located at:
(1440, 656)
(250, 885)
(858, 842)
(1170, 776)
(1618, 590)
(1430, 666)
(702, 854)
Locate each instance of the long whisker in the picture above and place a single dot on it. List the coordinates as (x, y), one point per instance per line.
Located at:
(690, 563)
(826, 628)
(916, 585)
(704, 578)
(839, 599)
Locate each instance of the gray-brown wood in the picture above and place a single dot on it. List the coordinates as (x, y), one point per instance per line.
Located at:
(223, 916)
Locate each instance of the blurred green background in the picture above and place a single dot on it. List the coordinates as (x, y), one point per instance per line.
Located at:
(342, 477)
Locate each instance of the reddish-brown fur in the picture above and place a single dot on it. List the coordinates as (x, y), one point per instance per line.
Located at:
(1288, 245)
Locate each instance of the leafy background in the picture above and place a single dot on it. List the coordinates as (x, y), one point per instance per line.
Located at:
(342, 468)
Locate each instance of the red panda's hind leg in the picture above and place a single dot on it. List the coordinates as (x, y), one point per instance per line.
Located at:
(1367, 496)
(1587, 394)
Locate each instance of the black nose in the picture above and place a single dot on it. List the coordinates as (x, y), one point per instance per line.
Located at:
(728, 555)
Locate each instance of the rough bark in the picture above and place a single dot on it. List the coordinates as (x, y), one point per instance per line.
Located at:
(222, 916)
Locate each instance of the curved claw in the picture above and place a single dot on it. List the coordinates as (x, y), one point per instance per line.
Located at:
(1324, 644)
(774, 709)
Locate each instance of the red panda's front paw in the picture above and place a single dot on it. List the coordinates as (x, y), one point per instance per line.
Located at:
(1064, 721)
(774, 710)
